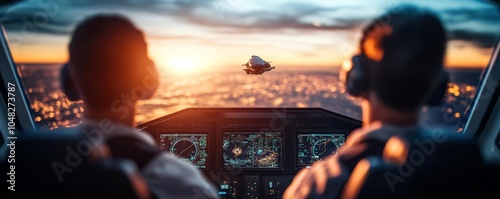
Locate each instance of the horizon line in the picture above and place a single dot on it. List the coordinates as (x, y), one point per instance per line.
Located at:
(286, 67)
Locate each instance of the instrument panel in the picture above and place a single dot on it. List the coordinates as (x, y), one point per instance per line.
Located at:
(251, 149)
(315, 147)
(251, 152)
(188, 147)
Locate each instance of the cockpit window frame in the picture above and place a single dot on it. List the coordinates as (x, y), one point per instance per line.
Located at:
(9, 74)
(487, 95)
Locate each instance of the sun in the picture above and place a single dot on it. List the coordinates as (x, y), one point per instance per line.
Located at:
(183, 65)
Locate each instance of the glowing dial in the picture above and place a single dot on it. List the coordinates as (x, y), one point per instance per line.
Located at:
(313, 147)
(323, 148)
(185, 149)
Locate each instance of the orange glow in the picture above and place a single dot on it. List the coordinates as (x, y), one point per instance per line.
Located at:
(202, 57)
(466, 56)
(347, 65)
(454, 90)
(357, 179)
(372, 47)
(395, 150)
(39, 54)
(183, 64)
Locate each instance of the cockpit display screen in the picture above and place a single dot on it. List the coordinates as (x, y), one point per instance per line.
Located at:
(313, 147)
(252, 149)
(189, 147)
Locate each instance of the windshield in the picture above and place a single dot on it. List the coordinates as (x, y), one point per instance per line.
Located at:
(199, 48)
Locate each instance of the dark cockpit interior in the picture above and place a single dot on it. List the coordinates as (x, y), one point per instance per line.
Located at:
(249, 132)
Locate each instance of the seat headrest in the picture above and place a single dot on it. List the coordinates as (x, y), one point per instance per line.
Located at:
(66, 164)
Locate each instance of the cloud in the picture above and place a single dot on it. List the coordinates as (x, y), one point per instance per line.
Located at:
(36, 22)
(496, 1)
(9, 2)
(479, 39)
(290, 16)
(37, 18)
(489, 15)
(210, 16)
(183, 10)
(479, 26)
(270, 23)
(59, 17)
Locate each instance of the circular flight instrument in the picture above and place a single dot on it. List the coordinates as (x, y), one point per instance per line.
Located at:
(237, 151)
(323, 148)
(185, 149)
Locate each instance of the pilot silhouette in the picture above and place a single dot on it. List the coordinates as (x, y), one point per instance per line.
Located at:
(110, 71)
(399, 65)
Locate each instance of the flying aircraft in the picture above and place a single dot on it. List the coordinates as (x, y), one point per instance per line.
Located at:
(257, 66)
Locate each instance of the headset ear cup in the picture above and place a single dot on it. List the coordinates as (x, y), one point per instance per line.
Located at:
(355, 78)
(67, 85)
(151, 80)
(437, 94)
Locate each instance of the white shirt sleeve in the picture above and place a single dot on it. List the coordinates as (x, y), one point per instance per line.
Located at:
(169, 177)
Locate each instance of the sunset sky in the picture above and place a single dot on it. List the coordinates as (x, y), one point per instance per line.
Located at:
(188, 35)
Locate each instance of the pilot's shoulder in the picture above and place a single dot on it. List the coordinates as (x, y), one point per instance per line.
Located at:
(324, 179)
(173, 163)
(170, 177)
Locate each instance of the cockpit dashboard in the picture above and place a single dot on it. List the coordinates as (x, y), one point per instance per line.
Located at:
(251, 152)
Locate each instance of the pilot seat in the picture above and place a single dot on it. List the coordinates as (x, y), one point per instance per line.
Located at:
(426, 164)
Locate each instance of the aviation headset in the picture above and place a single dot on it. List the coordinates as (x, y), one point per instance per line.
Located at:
(68, 86)
(354, 75)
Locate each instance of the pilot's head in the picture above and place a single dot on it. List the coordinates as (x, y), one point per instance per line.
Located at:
(109, 60)
(401, 58)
